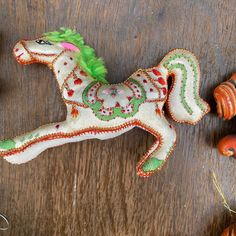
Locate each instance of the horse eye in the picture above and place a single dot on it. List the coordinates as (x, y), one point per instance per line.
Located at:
(43, 42)
(40, 41)
(48, 43)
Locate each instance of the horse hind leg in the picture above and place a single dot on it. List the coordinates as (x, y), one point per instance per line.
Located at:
(157, 155)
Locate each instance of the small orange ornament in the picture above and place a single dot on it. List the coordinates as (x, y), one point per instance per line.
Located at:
(230, 231)
(227, 146)
(225, 96)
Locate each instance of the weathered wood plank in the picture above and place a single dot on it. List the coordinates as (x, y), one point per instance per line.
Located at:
(91, 188)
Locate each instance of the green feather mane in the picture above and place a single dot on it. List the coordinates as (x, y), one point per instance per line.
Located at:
(86, 58)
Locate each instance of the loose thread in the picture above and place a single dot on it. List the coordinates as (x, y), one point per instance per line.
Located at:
(219, 190)
(7, 222)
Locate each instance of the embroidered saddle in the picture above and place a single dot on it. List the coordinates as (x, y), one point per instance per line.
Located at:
(109, 101)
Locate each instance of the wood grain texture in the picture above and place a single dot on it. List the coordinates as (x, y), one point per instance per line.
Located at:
(91, 188)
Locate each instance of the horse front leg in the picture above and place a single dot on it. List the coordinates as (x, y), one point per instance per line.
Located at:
(26, 147)
(156, 156)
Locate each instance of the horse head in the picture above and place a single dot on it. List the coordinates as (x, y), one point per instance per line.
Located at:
(64, 43)
(41, 50)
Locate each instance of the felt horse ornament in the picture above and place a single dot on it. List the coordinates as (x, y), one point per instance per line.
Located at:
(97, 109)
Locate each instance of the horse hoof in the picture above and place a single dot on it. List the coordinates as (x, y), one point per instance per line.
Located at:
(7, 144)
(149, 166)
(230, 231)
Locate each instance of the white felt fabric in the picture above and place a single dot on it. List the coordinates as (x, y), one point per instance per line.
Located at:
(72, 83)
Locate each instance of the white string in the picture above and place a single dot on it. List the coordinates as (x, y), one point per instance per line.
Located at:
(6, 221)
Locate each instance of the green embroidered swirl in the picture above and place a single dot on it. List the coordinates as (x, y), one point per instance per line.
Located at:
(183, 85)
(193, 65)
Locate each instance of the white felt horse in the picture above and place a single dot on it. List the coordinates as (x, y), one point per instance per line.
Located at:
(96, 109)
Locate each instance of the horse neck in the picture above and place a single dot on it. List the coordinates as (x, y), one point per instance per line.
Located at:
(65, 66)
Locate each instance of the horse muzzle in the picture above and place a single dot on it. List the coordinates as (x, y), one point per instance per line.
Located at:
(21, 53)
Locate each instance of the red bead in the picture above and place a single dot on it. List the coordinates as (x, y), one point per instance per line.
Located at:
(144, 81)
(158, 111)
(70, 92)
(83, 73)
(151, 89)
(164, 90)
(65, 63)
(161, 81)
(156, 72)
(77, 81)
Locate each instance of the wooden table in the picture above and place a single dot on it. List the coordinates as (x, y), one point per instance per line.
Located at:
(91, 188)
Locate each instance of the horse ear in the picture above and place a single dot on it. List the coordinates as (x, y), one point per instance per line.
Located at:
(70, 47)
